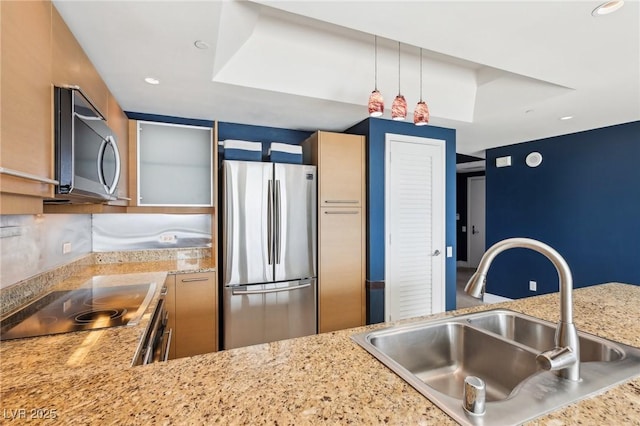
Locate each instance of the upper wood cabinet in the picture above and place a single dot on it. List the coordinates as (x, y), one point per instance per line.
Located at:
(26, 98)
(72, 67)
(173, 165)
(341, 158)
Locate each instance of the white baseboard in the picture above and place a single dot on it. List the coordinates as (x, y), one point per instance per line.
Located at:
(494, 298)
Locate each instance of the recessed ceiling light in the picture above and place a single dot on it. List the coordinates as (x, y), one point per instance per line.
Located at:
(607, 8)
(152, 80)
(201, 44)
(566, 117)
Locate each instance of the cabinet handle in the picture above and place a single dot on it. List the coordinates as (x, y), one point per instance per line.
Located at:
(193, 280)
(341, 201)
(342, 212)
(165, 357)
(28, 176)
(271, 290)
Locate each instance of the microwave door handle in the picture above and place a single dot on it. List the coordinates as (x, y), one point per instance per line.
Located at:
(116, 175)
(99, 165)
(112, 186)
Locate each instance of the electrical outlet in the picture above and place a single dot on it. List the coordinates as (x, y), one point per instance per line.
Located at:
(66, 248)
(167, 238)
(533, 286)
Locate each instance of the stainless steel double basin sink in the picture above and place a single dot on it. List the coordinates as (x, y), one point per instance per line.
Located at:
(499, 347)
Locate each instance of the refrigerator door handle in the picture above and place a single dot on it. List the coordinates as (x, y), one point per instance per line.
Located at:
(273, 290)
(270, 223)
(278, 233)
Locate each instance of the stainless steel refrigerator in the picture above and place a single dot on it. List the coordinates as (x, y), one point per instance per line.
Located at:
(268, 252)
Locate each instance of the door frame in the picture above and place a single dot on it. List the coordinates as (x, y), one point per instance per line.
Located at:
(438, 292)
(469, 210)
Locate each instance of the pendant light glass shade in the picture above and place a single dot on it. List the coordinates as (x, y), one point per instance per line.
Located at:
(421, 112)
(376, 104)
(399, 107)
(376, 101)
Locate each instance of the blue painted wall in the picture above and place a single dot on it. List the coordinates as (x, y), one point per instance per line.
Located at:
(583, 200)
(375, 130)
(263, 134)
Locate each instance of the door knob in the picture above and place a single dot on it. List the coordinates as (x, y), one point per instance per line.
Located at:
(436, 253)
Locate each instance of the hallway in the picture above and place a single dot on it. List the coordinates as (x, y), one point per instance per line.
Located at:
(463, 300)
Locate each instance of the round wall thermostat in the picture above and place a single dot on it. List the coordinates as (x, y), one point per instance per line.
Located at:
(534, 159)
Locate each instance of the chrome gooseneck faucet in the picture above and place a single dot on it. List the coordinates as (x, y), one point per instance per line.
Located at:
(564, 359)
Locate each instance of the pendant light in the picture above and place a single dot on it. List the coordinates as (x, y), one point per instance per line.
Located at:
(421, 113)
(399, 107)
(376, 102)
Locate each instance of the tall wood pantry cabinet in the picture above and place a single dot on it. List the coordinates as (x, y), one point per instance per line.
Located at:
(340, 159)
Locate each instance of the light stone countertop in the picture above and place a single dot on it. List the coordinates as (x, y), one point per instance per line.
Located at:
(321, 379)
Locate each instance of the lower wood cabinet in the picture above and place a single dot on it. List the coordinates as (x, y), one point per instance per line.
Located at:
(192, 303)
(341, 301)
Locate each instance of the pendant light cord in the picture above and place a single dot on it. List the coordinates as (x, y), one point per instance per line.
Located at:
(398, 68)
(421, 74)
(375, 41)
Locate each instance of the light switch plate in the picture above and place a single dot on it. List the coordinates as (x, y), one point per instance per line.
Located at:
(503, 161)
(66, 248)
(449, 251)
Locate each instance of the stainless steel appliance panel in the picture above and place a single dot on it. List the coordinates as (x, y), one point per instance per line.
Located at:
(263, 313)
(294, 221)
(247, 223)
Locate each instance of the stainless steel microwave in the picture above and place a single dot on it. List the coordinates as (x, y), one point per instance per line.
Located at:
(87, 161)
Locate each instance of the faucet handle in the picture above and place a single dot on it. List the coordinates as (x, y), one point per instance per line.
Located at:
(474, 395)
(556, 359)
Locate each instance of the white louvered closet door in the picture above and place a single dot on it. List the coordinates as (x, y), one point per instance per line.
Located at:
(414, 226)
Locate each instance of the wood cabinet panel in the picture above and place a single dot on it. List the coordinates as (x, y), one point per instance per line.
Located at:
(119, 123)
(170, 304)
(341, 158)
(341, 228)
(26, 96)
(196, 314)
(341, 272)
(72, 67)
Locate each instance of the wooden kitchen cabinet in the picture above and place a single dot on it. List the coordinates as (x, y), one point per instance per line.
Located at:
(26, 98)
(340, 159)
(72, 67)
(341, 273)
(173, 165)
(192, 303)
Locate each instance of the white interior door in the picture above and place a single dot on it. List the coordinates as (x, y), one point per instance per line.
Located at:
(476, 219)
(414, 226)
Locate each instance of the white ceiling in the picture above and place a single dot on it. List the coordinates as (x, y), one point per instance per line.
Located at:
(499, 72)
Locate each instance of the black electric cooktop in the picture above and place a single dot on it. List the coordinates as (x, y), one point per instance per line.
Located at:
(75, 310)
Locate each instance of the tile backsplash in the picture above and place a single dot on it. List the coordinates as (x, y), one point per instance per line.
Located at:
(32, 244)
(116, 232)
